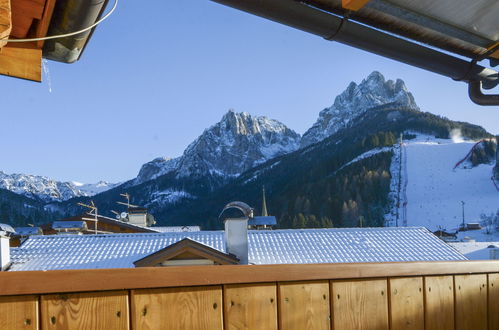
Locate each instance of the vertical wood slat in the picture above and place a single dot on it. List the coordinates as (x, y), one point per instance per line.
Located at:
(439, 303)
(19, 312)
(177, 308)
(304, 305)
(250, 306)
(471, 301)
(406, 303)
(91, 310)
(360, 305)
(493, 301)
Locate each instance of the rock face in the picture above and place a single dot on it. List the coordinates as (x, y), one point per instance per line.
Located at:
(373, 92)
(237, 143)
(49, 190)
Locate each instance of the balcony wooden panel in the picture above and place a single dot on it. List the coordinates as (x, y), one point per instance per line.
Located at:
(406, 304)
(177, 308)
(360, 305)
(471, 302)
(91, 310)
(439, 303)
(19, 312)
(250, 306)
(304, 305)
(493, 301)
(366, 301)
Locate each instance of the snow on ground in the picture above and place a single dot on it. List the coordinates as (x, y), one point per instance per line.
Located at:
(434, 190)
(477, 250)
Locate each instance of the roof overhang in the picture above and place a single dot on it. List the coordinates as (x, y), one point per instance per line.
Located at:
(28, 19)
(434, 36)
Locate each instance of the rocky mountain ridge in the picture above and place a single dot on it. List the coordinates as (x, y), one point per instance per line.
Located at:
(49, 190)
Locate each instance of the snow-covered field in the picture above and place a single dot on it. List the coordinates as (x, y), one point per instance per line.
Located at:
(434, 190)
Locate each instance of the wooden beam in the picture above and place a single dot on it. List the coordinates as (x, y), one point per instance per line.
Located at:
(353, 4)
(36, 282)
(21, 61)
(5, 21)
(43, 26)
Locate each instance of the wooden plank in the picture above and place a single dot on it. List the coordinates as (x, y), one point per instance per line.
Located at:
(406, 303)
(19, 312)
(21, 61)
(27, 8)
(471, 302)
(91, 310)
(5, 21)
(177, 308)
(353, 4)
(493, 301)
(20, 25)
(43, 26)
(75, 280)
(360, 305)
(250, 306)
(304, 305)
(439, 303)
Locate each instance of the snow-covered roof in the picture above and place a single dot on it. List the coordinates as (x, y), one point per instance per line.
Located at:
(265, 247)
(175, 229)
(26, 231)
(262, 220)
(475, 250)
(69, 225)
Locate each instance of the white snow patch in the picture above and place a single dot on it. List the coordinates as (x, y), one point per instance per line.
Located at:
(434, 190)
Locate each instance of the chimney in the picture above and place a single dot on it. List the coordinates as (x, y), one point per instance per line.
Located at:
(4, 251)
(236, 238)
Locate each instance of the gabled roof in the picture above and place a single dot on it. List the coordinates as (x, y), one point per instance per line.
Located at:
(187, 246)
(265, 247)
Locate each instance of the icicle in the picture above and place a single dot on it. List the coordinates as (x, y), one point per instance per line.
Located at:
(45, 66)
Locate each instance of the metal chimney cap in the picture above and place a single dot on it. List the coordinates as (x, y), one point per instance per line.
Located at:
(241, 206)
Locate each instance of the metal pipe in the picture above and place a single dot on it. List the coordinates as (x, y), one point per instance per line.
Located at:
(69, 16)
(326, 25)
(476, 95)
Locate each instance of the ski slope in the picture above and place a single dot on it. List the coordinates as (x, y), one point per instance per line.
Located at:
(432, 190)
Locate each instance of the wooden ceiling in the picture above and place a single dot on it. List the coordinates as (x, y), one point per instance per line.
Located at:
(21, 19)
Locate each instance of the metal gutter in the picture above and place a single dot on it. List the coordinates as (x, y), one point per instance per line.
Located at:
(331, 27)
(69, 16)
(476, 95)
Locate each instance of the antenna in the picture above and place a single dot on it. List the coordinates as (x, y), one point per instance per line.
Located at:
(93, 211)
(127, 204)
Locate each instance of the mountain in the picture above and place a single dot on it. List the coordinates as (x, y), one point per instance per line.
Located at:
(237, 143)
(90, 189)
(344, 174)
(348, 179)
(48, 190)
(373, 92)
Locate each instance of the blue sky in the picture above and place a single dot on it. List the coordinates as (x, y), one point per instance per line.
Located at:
(156, 74)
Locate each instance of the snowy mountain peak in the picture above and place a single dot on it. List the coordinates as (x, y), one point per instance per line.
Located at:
(49, 190)
(374, 91)
(238, 142)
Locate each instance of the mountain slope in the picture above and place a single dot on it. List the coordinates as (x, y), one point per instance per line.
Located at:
(433, 189)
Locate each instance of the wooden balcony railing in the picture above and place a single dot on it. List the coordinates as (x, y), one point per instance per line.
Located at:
(416, 295)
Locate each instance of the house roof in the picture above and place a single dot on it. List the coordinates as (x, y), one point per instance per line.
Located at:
(188, 247)
(69, 225)
(268, 220)
(26, 231)
(265, 247)
(175, 229)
